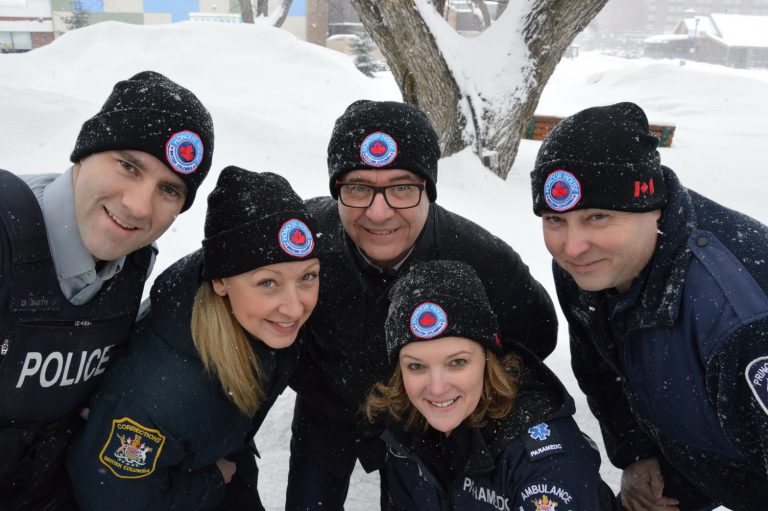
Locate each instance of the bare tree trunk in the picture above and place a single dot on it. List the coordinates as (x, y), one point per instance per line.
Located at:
(417, 64)
(467, 104)
(246, 10)
(262, 8)
(280, 16)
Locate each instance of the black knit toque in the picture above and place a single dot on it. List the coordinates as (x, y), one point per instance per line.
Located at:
(254, 219)
(438, 299)
(150, 113)
(373, 135)
(602, 157)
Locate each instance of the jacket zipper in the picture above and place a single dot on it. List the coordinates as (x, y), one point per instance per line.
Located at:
(80, 323)
(5, 346)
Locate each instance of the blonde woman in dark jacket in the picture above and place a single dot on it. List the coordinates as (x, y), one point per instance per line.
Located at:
(173, 426)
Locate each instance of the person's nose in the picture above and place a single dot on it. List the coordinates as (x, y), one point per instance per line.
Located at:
(576, 241)
(138, 200)
(379, 211)
(291, 306)
(438, 384)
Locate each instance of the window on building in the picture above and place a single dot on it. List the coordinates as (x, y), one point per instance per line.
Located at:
(15, 41)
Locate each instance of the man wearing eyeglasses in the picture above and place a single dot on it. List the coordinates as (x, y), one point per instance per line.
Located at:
(380, 220)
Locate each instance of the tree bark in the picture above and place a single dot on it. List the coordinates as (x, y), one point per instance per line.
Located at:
(417, 64)
(487, 107)
(280, 16)
(246, 11)
(262, 8)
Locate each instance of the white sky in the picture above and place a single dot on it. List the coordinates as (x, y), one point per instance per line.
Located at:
(274, 100)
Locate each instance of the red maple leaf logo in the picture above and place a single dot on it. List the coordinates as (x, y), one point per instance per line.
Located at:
(378, 148)
(559, 191)
(427, 319)
(298, 237)
(187, 152)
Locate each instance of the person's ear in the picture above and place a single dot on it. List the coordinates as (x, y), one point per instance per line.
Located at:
(219, 287)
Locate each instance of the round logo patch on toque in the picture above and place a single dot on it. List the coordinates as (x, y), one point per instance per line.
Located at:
(562, 191)
(296, 238)
(378, 149)
(184, 151)
(428, 320)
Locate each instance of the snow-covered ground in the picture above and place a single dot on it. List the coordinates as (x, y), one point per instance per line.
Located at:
(274, 100)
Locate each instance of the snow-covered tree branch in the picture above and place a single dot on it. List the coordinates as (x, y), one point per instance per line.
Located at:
(479, 91)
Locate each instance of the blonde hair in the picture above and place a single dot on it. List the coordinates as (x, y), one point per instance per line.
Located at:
(501, 380)
(225, 350)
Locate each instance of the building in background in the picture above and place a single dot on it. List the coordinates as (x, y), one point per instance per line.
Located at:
(25, 24)
(28, 24)
(734, 40)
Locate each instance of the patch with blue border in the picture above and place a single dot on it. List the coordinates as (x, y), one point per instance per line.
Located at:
(378, 149)
(757, 380)
(131, 450)
(184, 151)
(428, 320)
(562, 191)
(541, 441)
(296, 239)
(546, 496)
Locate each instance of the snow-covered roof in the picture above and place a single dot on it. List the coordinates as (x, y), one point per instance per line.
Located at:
(665, 38)
(741, 30)
(704, 26)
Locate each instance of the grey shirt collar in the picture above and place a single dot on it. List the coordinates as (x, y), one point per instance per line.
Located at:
(70, 256)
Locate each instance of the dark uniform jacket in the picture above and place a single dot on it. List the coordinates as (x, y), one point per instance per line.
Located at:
(160, 423)
(678, 366)
(346, 352)
(533, 459)
(52, 353)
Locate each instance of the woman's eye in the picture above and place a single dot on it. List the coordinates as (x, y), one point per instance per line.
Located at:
(309, 277)
(459, 362)
(553, 219)
(268, 283)
(413, 366)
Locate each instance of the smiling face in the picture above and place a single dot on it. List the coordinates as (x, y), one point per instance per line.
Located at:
(124, 200)
(443, 379)
(602, 249)
(272, 302)
(385, 235)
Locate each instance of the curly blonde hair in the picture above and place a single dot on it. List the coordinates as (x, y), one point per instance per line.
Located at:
(501, 379)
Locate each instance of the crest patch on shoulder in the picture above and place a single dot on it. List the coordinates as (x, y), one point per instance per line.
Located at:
(756, 374)
(132, 450)
(546, 497)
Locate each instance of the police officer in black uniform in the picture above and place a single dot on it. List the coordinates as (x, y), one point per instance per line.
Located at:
(75, 251)
(381, 218)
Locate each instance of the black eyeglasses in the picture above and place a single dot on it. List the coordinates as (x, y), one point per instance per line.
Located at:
(404, 196)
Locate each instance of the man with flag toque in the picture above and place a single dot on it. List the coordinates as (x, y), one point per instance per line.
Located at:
(664, 291)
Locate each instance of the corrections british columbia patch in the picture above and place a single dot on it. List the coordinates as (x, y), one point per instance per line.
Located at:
(132, 450)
